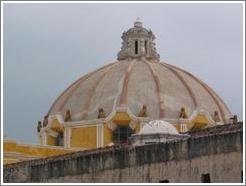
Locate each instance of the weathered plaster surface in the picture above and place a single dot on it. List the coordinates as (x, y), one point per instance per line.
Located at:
(217, 151)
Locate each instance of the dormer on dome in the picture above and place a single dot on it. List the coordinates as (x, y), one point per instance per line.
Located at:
(156, 131)
(158, 126)
(138, 42)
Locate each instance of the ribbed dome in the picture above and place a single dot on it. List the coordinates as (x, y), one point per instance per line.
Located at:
(163, 88)
(158, 126)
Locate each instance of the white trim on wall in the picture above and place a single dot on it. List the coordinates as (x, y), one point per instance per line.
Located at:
(100, 135)
(69, 137)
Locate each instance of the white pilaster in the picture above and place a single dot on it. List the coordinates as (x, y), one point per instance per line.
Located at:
(99, 135)
(68, 137)
(183, 127)
(44, 137)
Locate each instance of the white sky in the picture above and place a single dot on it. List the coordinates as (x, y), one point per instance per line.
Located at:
(48, 46)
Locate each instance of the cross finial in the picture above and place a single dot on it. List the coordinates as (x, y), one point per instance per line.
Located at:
(138, 23)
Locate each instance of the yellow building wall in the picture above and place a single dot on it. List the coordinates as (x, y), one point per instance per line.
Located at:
(107, 135)
(85, 137)
(9, 146)
(7, 160)
(30, 151)
(50, 140)
(81, 137)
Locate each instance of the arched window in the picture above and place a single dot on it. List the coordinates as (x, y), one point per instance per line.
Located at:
(121, 134)
(59, 139)
(145, 45)
(136, 47)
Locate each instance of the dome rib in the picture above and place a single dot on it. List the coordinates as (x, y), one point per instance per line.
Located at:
(221, 101)
(183, 82)
(123, 95)
(163, 87)
(87, 105)
(208, 89)
(213, 94)
(73, 87)
(157, 83)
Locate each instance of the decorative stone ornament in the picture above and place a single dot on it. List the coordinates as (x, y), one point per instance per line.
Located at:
(101, 113)
(216, 117)
(183, 113)
(143, 111)
(67, 116)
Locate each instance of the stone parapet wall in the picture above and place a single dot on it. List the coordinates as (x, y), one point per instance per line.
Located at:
(219, 154)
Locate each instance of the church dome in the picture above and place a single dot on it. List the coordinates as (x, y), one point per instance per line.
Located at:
(138, 78)
(160, 127)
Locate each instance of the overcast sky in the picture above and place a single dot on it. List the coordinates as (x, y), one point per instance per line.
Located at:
(48, 46)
